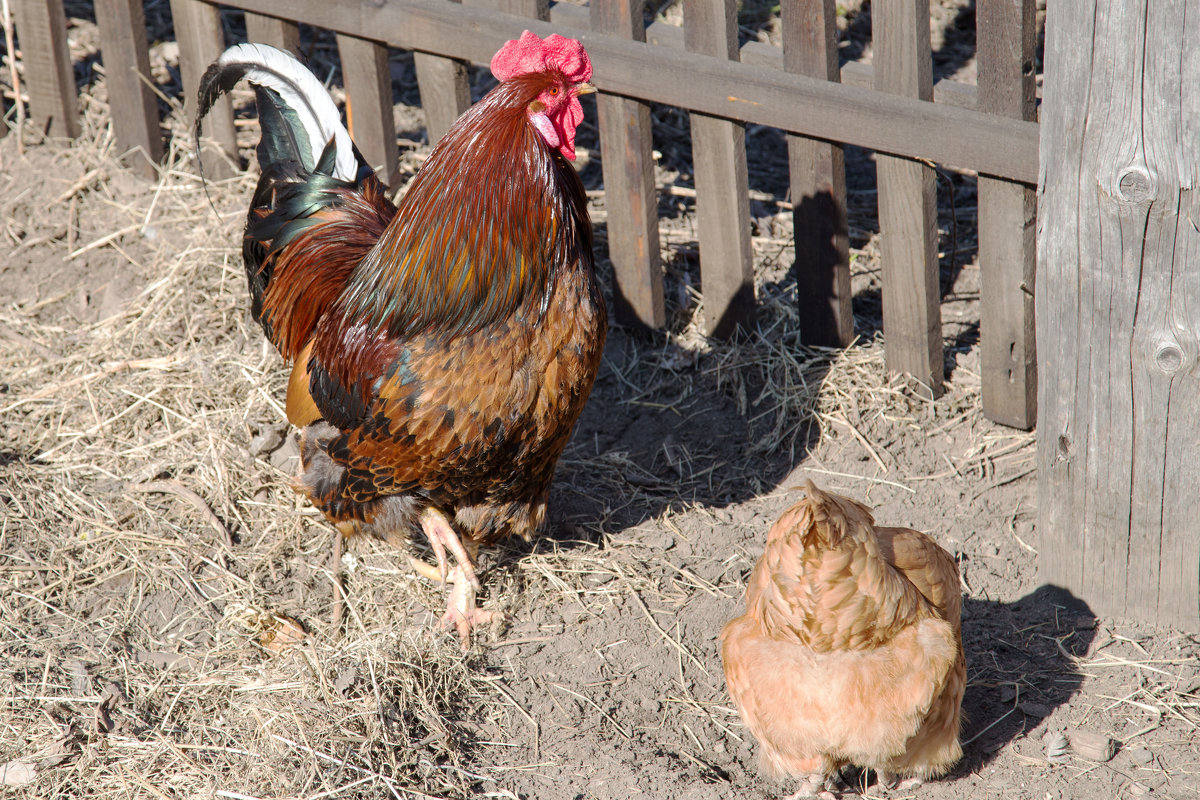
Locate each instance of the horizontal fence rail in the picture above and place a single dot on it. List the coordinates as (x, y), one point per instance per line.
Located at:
(892, 107)
(939, 132)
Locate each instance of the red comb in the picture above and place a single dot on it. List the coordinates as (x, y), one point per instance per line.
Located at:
(533, 54)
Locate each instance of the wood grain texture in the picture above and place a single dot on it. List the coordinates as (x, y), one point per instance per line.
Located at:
(944, 133)
(532, 9)
(1006, 38)
(201, 41)
(722, 188)
(912, 316)
(369, 103)
(1117, 300)
(445, 91)
(632, 200)
(765, 54)
(817, 171)
(49, 75)
(276, 32)
(134, 107)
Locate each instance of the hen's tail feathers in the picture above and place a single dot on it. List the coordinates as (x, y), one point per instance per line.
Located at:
(297, 116)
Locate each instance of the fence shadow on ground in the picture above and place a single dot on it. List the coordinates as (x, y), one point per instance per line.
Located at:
(657, 435)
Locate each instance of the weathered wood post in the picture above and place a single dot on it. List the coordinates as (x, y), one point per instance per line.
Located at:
(1118, 308)
(50, 79)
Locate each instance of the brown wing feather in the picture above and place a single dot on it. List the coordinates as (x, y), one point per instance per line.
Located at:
(474, 424)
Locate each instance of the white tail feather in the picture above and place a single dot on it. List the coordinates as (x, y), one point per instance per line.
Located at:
(300, 89)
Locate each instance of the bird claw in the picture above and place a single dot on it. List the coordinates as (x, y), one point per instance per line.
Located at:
(816, 787)
(894, 783)
(461, 612)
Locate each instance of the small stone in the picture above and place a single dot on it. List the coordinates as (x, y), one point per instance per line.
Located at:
(1008, 693)
(1033, 709)
(345, 680)
(658, 540)
(1138, 789)
(265, 442)
(1093, 746)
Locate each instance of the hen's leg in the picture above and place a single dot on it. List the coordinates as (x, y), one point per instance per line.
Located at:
(814, 786)
(821, 781)
(461, 611)
(893, 782)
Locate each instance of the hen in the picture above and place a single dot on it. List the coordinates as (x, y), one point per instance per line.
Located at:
(443, 348)
(850, 649)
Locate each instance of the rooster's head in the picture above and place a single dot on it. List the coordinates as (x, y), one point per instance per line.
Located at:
(558, 69)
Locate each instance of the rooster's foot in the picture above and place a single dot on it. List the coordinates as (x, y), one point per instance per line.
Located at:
(426, 570)
(442, 537)
(461, 612)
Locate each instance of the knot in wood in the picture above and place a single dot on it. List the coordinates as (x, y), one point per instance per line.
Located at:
(1135, 185)
(1169, 357)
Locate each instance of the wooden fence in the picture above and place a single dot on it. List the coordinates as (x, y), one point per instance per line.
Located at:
(892, 107)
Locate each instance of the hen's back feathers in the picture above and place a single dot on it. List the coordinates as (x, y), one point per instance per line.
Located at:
(849, 651)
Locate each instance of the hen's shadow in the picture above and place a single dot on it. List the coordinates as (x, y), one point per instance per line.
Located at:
(1020, 667)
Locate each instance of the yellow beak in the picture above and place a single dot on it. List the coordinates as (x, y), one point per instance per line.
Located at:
(584, 88)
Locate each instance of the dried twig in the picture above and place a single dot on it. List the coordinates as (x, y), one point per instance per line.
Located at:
(181, 491)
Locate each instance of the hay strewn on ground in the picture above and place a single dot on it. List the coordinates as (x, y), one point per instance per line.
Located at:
(169, 610)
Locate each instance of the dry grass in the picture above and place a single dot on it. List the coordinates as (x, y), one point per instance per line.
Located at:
(170, 609)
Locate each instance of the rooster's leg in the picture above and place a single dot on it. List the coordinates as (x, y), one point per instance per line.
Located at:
(461, 611)
(427, 570)
(441, 538)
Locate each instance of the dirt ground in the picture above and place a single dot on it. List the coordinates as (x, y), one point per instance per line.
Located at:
(168, 618)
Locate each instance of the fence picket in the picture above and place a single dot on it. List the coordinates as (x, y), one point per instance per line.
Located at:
(722, 187)
(818, 182)
(273, 31)
(445, 91)
(126, 57)
(49, 77)
(912, 318)
(628, 163)
(201, 40)
(369, 103)
(990, 129)
(1007, 221)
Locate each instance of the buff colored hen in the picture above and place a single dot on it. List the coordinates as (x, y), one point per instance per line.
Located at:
(850, 650)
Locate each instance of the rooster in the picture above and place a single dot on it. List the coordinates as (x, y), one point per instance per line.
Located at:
(850, 650)
(443, 348)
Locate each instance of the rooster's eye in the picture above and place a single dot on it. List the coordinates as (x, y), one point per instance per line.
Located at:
(553, 90)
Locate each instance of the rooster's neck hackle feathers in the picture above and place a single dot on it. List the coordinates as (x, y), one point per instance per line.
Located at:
(491, 220)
